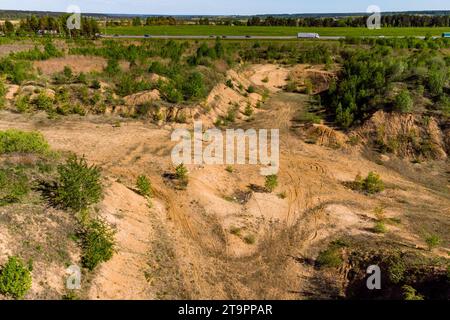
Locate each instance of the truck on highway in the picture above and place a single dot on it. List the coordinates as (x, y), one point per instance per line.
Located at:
(308, 35)
(446, 35)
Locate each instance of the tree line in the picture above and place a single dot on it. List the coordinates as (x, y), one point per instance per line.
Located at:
(396, 20)
(50, 25)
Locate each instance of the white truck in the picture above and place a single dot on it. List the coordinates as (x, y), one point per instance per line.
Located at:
(308, 35)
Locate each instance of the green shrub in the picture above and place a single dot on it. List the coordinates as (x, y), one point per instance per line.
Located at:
(433, 241)
(97, 243)
(251, 89)
(44, 102)
(79, 184)
(23, 104)
(331, 257)
(229, 83)
(181, 172)
(68, 72)
(24, 142)
(14, 185)
(2, 93)
(112, 67)
(194, 87)
(371, 184)
(15, 278)
(248, 110)
(409, 293)
(403, 102)
(144, 186)
(95, 84)
(16, 71)
(380, 227)
(396, 269)
(271, 182)
(250, 239)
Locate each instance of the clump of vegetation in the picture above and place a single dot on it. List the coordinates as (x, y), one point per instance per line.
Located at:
(144, 186)
(2, 93)
(15, 278)
(235, 230)
(371, 184)
(380, 227)
(181, 174)
(16, 71)
(271, 182)
(248, 110)
(396, 268)
(332, 256)
(433, 241)
(23, 142)
(409, 293)
(403, 102)
(79, 184)
(229, 169)
(97, 243)
(250, 239)
(14, 185)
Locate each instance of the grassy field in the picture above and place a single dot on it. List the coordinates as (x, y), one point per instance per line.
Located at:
(270, 31)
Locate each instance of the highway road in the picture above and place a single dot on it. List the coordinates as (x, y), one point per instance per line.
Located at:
(109, 36)
(187, 37)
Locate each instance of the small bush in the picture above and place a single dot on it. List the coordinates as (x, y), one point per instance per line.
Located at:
(24, 142)
(396, 269)
(44, 102)
(97, 243)
(248, 110)
(2, 93)
(235, 230)
(331, 257)
(15, 278)
(251, 89)
(95, 84)
(250, 239)
(271, 182)
(409, 293)
(23, 104)
(371, 184)
(404, 102)
(144, 186)
(14, 185)
(433, 241)
(181, 172)
(229, 84)
(229, 169)
(68, 72)
(380, 227)
(79, 184)
(112, 67)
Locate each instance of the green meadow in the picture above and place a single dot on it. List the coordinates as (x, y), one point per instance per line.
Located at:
(194, 30)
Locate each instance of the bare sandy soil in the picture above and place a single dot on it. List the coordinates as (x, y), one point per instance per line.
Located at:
(195, 243)
(78, 64)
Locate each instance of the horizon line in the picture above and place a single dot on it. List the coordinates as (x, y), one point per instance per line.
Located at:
(225, 15)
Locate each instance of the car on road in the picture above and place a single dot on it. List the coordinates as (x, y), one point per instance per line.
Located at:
(146, 36)
(308, 35)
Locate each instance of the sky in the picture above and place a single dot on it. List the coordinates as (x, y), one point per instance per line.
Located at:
(223, 7)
